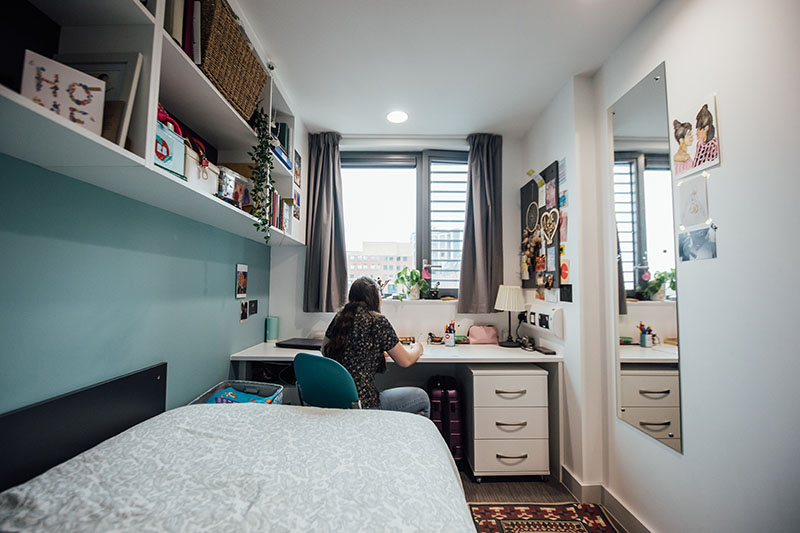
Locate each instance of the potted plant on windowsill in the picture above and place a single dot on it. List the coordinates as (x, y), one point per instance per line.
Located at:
(654, 288)
(411, 282)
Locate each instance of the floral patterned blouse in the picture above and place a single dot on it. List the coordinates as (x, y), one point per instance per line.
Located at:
(371, 336)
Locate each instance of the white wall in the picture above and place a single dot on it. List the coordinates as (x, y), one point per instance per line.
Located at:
(740, 470)
(553, 138)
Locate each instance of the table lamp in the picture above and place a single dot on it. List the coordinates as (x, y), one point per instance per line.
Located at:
(509, 298)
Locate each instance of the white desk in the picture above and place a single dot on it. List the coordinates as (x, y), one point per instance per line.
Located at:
(663, 353)
(449, 356)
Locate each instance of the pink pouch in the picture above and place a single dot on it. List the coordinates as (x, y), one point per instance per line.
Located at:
(482, 335)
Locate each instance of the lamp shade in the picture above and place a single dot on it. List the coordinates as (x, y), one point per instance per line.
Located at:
(509, 298)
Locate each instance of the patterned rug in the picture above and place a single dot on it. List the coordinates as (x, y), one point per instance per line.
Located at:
(541, 517)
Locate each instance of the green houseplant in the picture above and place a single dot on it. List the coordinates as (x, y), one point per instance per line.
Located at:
(262, 171)
(654, 287)
(410, 280)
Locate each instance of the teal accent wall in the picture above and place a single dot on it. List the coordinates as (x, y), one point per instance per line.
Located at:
(94, 285)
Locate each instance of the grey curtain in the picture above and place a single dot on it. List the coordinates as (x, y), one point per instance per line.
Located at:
(482, 257)
(326, 253)
(622, 303)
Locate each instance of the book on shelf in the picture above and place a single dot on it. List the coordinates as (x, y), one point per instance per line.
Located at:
(188, 17)
(280, 153)
(173, 19)
(196, 51)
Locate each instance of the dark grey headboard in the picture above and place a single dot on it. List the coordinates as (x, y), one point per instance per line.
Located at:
(34, 439)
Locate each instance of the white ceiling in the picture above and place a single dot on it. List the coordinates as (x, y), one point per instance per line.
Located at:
(455, 66)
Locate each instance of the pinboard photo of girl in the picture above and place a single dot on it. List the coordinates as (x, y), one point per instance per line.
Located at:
(694, 143)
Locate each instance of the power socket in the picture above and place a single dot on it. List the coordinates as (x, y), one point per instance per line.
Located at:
(522, 317)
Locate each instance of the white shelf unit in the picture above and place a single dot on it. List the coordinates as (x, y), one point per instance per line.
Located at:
(38, 136)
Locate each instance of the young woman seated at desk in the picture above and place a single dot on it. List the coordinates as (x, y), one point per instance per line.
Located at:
(357, 338)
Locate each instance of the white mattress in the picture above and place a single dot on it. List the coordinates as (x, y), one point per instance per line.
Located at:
(252, 468)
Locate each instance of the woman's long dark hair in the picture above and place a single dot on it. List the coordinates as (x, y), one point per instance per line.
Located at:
(364, 292)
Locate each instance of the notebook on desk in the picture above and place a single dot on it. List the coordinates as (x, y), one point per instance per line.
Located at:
(300, 343)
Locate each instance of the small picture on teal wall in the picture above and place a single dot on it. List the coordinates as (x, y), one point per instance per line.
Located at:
(241, 281)
(243, 311)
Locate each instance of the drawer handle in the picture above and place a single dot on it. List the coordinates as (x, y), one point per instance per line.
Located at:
(498, 423)
(501, 456)
(642, 391)
(643, 423)
(500, 391)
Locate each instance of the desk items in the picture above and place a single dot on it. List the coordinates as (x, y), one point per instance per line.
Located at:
(509, 298)
(482, 335)
(271, 327)
(645, 336)
(450, 335)
(301, 344)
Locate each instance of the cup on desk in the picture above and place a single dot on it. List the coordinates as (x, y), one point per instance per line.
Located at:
(449, 339)
(271, 327)
(646, 340)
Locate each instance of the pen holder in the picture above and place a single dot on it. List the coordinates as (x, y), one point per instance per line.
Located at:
(645, 340)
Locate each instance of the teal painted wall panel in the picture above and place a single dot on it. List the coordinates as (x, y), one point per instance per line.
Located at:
(94, 285)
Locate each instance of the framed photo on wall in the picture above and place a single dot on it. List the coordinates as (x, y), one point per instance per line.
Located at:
(241, 281)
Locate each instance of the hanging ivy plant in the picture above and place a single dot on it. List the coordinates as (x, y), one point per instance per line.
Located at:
(262, 171)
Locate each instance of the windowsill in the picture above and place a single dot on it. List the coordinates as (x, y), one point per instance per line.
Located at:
(417, 302)
(651, 303)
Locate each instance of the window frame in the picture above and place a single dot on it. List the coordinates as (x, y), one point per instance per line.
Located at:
(640, 161)
(421, 161)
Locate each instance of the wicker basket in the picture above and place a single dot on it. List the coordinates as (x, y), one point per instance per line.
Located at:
(228, 60)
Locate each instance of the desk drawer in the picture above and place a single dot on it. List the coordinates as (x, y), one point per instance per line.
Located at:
(510, 391)
(649, 390)
(660, 422)
(530, 455)
(510, 423)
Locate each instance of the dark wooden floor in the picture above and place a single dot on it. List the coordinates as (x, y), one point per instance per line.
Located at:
(514, 489)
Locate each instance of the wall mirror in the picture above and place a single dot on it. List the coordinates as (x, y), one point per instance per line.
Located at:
(647, 358)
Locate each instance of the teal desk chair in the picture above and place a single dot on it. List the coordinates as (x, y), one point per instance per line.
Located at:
(322, 382)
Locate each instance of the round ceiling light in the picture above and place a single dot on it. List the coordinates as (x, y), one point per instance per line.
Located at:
(397, 117)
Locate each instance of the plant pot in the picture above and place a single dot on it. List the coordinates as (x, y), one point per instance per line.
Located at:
(659, 296)
(413, 293)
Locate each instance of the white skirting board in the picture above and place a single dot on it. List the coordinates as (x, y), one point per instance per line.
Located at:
(601, 495)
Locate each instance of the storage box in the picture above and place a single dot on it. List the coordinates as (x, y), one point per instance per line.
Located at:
(264, 390)
(234, 187)
(169, 150)
(200, 178)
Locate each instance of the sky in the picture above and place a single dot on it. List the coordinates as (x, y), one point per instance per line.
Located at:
(379, 205)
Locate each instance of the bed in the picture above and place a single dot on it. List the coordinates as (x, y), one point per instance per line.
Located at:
(248, 467)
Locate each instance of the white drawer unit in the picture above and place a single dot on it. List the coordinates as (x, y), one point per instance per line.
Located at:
(651, 389)
(650, 401)
(506, 417)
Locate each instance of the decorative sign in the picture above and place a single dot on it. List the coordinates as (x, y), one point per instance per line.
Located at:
(550, 224)
(564, 271)
(65, 91)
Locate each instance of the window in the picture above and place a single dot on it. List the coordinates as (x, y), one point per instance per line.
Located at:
(643, 208)
(448, 203)
(407, 210)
